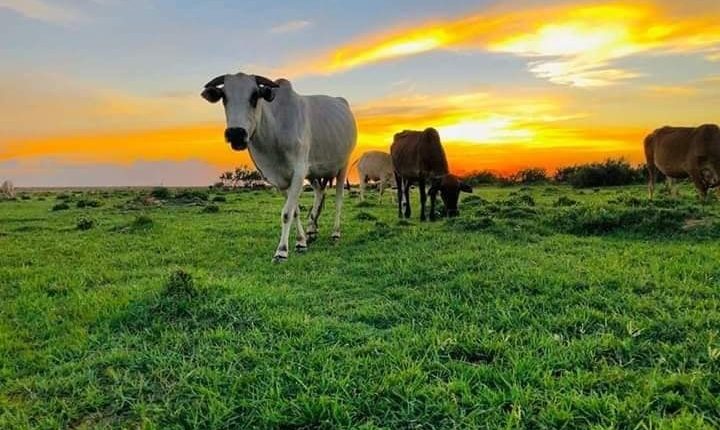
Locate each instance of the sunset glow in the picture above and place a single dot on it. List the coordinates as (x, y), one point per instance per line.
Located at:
(507, 86)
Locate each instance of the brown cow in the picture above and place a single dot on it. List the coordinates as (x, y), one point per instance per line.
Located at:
(418, 157)
(679, 152)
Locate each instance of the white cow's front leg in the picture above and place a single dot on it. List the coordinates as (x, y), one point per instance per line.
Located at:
(301, 243)
(288, 214)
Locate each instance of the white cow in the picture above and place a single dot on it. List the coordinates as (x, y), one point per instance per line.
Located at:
(375, 166)
(290, 138)
(7, 190)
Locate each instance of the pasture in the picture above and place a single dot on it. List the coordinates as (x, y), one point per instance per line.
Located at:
(541, 308)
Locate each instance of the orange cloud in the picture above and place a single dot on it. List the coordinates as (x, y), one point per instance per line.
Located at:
(569, 44)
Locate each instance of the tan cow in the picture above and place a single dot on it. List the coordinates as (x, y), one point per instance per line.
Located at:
(7, 190)
(681, 152)
(375, 166)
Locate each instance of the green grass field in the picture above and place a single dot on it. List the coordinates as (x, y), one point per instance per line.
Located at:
(539, 308)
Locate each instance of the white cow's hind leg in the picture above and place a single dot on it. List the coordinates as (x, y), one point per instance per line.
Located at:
(363, 186)
(339, 194)
(319, 188)
(301, 243)
(288, 213)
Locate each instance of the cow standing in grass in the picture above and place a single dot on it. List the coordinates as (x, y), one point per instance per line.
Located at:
(681, 152)
(7, 190)
(375, 166)
(418, 157)
(290, 138)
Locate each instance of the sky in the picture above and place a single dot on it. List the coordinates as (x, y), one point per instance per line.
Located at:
(106, 92)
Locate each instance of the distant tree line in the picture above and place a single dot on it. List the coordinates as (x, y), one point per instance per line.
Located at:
(241, 177)
(609, 173)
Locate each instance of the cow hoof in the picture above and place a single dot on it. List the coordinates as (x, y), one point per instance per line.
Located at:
(279, 259)
(336, 237)
(301, 248)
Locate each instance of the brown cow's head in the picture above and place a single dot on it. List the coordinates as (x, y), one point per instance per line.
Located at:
(450, 187)
(709, 161)
(240, 94)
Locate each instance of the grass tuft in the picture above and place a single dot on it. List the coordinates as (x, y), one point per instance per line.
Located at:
(211, 209)
(85, 223)
(60, 207)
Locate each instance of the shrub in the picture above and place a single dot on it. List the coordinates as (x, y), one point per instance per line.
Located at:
(25, 196)
(219, 199)
(191, 196)
(85, 223)
(532, 175)
(63, 196)
(161, 193)
(60, 207)
(211, 209)
(88, 204)
(482, 177)
(606, 174)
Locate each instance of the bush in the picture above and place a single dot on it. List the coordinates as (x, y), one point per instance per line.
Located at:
(483, 177)
(609, 173)
(88, 204)
(85, 223)
(211, 209)
(25, 196)
(219, 199)
(533, 175)
(161, 193)
(189, 196)
(63, 196)
(61, 207)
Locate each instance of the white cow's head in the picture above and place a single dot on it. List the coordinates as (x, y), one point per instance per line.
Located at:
(241, 95)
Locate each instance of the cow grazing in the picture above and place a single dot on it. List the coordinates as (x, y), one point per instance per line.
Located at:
(290, 138)
(681, 152)
(375, 166)
(418, 157)
(7, 190)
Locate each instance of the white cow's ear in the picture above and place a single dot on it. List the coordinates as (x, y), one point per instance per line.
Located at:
(267, 93)
(212, 94)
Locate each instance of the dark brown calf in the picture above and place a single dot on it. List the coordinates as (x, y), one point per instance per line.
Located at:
(418, 157)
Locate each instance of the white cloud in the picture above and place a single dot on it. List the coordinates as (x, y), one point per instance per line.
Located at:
(290, 27)
(40, 10)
